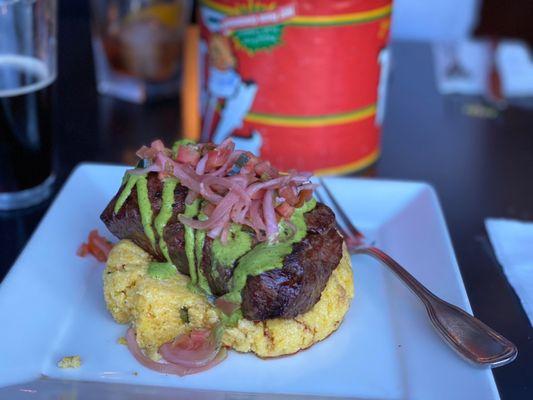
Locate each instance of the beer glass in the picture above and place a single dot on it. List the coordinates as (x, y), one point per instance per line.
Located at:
(27, 74)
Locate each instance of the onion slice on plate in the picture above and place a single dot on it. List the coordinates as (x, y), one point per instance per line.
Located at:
(195, 349)
(171, 367)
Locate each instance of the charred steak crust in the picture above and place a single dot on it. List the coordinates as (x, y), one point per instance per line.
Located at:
(126, 224)
(297, 286)
(320, 219)
(281, 293)
(218, 277)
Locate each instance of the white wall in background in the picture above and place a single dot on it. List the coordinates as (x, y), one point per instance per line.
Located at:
(434, 20)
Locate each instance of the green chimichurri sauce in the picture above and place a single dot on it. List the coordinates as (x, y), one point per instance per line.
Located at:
(130, 181)
(199, 252)
(239, 243)
(159, 270)
(167, 200)
(298, 221)
(265, 256)
(191, 211)
(145, 208)
(232, 319)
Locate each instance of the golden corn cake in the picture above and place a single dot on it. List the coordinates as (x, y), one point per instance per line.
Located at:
(161, 309)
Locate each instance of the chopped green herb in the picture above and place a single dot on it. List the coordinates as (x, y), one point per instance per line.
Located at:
(184, 315)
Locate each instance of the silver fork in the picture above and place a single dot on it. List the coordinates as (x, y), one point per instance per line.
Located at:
(467, 335)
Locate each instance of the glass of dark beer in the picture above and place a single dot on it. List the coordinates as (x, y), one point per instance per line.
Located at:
(27, 73)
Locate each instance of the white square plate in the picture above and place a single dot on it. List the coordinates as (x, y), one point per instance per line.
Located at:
(51, 305)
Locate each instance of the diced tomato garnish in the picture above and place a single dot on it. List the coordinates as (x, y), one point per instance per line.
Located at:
(97, 246)
(188, 154)
(303, 197)
(216, 158)
(285, 210)
(266, 171)
(288, 192)
(83, 250)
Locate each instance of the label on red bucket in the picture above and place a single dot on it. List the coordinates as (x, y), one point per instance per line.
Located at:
(295, 81)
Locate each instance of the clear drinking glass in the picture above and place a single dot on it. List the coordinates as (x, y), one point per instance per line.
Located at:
(138, 46)
(27, 73)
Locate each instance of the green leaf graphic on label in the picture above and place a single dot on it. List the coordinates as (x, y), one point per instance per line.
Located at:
(261, 38)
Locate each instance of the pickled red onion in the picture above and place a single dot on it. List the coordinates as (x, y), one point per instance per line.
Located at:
(200, 167)
(169, 367)
(245, 195)
(195, 349)
(270, 214)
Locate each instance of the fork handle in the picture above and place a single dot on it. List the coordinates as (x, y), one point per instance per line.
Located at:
(420, 290)
(465, 334)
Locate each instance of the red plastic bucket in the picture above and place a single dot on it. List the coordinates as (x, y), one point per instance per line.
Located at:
(313, 67)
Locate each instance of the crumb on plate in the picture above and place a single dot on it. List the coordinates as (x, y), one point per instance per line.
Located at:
(122, 340)
(69, 362)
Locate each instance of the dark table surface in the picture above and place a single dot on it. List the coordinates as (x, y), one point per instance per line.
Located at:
(479, 167)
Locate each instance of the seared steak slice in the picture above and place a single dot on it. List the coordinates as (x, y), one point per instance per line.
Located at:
(284, 293)
(126, 224)
(174, 236)
(294, 288)
(218, 276)
(320, 219)
(297, 286)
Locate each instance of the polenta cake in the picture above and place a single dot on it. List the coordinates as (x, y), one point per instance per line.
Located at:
(219, 250)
